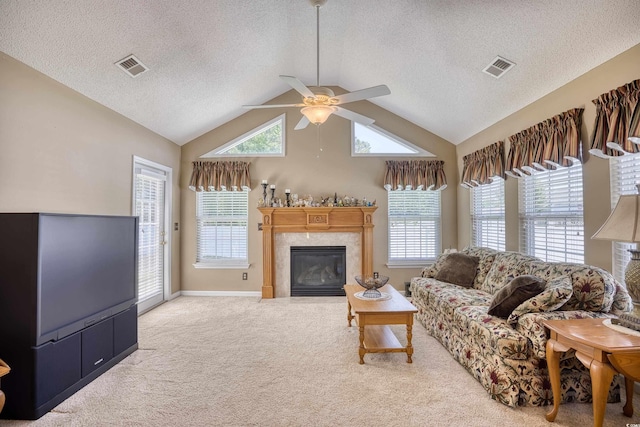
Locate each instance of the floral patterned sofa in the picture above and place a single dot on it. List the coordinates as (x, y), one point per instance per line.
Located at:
(507, 356)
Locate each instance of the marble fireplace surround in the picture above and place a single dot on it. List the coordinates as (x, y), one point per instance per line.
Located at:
(282, 228)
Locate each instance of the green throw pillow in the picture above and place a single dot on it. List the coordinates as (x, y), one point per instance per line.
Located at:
(556, 294)
(515, 293)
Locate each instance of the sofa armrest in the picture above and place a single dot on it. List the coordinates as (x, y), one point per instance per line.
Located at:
(531, 326)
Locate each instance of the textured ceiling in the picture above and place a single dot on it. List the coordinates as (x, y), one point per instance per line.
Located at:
(207, 58)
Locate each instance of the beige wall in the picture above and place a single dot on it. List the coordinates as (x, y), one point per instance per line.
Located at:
(301, 171)
(580, 92)
(61, 152)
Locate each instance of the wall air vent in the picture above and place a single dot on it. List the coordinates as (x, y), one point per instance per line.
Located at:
(132, 66)
(498, 67)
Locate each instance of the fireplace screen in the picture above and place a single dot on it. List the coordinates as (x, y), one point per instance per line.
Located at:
(318, 270)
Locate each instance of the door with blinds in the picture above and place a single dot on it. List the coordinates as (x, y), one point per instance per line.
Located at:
(151, 204)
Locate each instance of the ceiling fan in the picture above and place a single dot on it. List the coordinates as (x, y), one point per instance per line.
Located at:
(318, 102)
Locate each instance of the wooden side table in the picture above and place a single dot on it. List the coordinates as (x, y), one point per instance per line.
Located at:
(4, 370)
(603, 350)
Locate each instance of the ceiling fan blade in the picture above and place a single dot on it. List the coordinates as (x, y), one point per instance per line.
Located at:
(273, 106)
(350, 115)
(358, 95)
(302, 123)
(299, 86)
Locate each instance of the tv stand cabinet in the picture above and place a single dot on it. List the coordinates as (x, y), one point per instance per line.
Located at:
(48, 367)
(44, 376)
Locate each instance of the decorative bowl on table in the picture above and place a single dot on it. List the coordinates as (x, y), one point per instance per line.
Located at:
(371, 284)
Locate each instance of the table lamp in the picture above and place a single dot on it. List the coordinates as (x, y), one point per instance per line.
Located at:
(623, 225)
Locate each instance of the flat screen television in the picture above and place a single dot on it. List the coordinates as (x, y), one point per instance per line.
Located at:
(87, 271)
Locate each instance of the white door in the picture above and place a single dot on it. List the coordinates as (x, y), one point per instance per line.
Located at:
(151, 204)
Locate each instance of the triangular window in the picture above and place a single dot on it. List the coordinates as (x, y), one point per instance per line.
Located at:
(267, 140)
(374, 141)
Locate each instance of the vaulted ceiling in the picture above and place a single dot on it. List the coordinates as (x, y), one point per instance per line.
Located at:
(207, 58)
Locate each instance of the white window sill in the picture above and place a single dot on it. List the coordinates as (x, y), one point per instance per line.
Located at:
(220, 266)
(409, 264)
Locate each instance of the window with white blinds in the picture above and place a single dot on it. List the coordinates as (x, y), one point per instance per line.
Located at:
(487, 215)
(625, 174)
(414, 227)
(221, 226)
(551, 214)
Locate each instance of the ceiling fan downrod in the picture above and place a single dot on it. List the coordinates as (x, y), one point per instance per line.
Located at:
(318, 4)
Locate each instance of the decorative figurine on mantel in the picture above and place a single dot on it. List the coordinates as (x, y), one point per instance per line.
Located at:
(294, 200)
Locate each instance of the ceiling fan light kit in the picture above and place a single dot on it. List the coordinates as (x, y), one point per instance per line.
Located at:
(318, 102)
(318, 114)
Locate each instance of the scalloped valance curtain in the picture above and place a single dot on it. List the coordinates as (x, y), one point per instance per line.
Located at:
(481, 166)
(218, 176)
(550, 144)
(414, 175)
(617, 125)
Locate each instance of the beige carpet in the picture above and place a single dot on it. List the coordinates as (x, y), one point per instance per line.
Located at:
(238, 361)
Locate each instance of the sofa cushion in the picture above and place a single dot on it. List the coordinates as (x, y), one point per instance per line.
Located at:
(515, 293)
(556, 294)
(459, 269)
(490, 334)
(486, 257)
(593, 290)
(505, 267)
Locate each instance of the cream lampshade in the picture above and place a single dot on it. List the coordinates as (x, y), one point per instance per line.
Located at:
(623, 225)
(318, 114)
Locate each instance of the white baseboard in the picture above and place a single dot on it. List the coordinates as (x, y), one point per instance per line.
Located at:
(221, 293)
(173, 296)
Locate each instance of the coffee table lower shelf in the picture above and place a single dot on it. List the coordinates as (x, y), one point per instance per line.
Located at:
(380, 339)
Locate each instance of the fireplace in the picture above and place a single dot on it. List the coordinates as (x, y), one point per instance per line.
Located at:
(318, 270)
(309, 223)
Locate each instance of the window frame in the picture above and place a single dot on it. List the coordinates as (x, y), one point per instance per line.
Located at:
(223, 262)
(222, 150)
(572, 211)
(483, 230)
(436, 229)
(418, 152)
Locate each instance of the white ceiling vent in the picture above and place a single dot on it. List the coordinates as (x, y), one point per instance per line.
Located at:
(132, 66)
(498, 67)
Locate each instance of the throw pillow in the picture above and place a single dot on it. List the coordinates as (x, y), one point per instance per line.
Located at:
(433, 269)
(459, 269)
(515, 293)
(555, 295)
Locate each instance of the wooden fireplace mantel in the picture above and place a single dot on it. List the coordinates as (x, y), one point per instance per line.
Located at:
(305, 220)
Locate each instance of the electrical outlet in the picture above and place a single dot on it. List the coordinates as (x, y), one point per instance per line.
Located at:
(244, 276)
(375, 274)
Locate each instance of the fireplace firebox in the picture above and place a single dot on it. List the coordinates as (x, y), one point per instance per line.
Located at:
(318, 270)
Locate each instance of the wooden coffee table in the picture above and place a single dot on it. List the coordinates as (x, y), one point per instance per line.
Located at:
(603, 350)
(372, 318)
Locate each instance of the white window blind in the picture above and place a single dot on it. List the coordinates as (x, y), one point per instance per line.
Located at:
(625, 174)
(149, 201)
(414, 226)
(487, 215)
(551, 215)
(221, 227)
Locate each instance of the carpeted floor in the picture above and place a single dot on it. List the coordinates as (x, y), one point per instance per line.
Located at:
(240, 361)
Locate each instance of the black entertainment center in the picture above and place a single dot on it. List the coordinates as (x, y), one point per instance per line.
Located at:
(68, 292)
